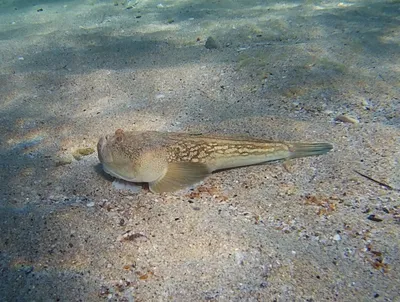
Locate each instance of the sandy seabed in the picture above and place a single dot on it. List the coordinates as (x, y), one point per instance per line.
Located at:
(316, 229)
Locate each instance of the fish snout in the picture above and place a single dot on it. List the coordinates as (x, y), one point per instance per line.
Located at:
(102, 150)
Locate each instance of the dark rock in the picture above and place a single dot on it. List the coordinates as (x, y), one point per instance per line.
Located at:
(211, 43)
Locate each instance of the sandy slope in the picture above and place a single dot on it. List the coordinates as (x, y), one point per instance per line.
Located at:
(313, 231)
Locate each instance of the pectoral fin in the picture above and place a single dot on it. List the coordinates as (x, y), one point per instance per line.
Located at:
(179, 175)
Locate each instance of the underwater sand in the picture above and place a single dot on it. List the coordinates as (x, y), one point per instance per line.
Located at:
(316, 229)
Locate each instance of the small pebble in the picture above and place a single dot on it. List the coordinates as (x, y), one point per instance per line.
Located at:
(64, 160)
(27, 171)
(264, 284)
(337, 237)
(90, 204)
(133, 236)
(373, 217)
(28, 269)
(346, 119)
(328, 112)
(365, 103)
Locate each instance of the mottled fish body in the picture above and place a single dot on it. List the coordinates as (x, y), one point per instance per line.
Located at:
(171, 161)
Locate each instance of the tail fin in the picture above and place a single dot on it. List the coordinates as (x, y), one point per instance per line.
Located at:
(309, 149)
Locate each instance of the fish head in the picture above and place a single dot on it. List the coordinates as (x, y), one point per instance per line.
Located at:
(123, 157)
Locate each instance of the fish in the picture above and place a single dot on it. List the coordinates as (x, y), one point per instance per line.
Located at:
(170, 161)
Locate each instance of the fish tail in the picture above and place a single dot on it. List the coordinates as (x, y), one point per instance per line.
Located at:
(308, 149)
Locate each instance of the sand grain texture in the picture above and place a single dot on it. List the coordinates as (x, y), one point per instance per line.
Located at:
(310, 230)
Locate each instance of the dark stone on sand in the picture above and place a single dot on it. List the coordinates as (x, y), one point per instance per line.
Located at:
(211, 43)
(374, 218)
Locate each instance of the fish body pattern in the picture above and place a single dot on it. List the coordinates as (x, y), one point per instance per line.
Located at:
(171, 161)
